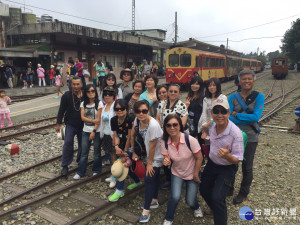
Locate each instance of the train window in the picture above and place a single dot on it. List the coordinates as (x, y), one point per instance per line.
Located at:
(197, 61)
(218, 62)
(185, 60)
(173, 60)
(212, 62)
(222, 62)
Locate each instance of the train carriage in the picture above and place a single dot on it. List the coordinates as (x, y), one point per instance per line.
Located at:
(246, 64)
(233, 66)
(280, 67)
(182, 62)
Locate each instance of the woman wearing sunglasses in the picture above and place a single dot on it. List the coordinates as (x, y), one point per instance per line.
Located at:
(110, 80)
(105, 128)
(212, 92)
(151, 133)
(172, 105)
(90, 110)
(183, 153)
(121, 125)
(138, 89)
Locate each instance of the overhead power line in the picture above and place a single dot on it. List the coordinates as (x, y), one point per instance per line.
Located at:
(65, 14)
(275, 21)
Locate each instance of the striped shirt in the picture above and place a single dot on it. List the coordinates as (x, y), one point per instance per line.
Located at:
(233, 136)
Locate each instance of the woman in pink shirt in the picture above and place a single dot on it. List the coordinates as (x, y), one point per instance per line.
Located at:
(183, 153)
(41, 75)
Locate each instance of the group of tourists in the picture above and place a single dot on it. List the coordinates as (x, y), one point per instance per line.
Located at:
(141, 121)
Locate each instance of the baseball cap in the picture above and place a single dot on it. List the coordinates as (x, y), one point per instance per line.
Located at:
(221, 101)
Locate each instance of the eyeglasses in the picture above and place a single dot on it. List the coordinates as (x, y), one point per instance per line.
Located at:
(108, 93)
(119, 109)
(223, 111)
(90, 91)
(144, 111)
(173, 91)
(169, 125)
(110, 80)
(162, 92)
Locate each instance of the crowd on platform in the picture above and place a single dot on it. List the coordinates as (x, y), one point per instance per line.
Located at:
(144, 127)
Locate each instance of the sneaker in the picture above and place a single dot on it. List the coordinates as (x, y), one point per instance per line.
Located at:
(115, 197)
(166, 185)
(56, 97)
(10, 125)
(108, 180)
(76, 177)
(144, 218)
(113, 183)
(30, 86)
(132, 186)
(167, 222)
(239, 199)
(198, 213)
(152, 206)
(23, 87)
(94, 174)
(208, 212)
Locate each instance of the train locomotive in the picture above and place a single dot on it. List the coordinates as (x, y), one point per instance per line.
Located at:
(182, 62)
(280, 67)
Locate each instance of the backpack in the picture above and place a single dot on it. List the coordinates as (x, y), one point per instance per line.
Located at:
(245, 107)
(139, 145)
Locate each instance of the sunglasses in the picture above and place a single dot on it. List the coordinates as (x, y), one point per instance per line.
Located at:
(108, 93)
(144, 111)
(110, 80)
(119, 109)
(91, 91)
(173, 91)
(223, 111)
(169, 125)
(162, 92)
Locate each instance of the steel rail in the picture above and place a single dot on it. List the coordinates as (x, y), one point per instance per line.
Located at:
(50, 195)
(270, 91)
(27, 123)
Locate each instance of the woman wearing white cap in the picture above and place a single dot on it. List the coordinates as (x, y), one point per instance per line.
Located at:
(41, 75)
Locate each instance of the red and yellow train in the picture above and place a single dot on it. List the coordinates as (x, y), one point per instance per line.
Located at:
(181, 63)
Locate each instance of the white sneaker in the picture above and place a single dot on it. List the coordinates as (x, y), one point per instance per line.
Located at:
(76, 177)
(166, 222)
(198, 213)
(23, 87)
(94, 174)
(113, 183)
(108, 180)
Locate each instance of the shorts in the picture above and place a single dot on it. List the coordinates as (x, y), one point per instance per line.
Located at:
(57, 88)
(30, 78)
(107, 145)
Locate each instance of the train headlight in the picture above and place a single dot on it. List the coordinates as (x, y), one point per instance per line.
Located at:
(170, 75)
(189, 75)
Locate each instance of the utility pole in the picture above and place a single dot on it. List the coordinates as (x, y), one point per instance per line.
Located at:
(133, 16)
(227, 44)
(176, 29)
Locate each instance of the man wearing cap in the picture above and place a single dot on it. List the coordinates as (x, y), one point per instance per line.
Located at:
(246, 109)
(126, 86)
(226, 150)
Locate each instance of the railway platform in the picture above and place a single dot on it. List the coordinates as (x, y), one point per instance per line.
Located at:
(37, 107)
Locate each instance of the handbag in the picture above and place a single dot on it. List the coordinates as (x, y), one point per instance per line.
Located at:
(139, 145)
(86, 73)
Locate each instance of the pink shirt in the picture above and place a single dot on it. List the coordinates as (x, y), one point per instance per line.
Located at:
(233, 136)
(79, 65)
(40, 72)
(183, 160)
(58, 80)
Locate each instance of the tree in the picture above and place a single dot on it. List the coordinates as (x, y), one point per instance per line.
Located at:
(273, 55)
(291, 42)
(262, 59)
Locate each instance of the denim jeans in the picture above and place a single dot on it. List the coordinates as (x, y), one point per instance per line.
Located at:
(83, 82)
(68, 149)
(85, 148)
(120, 185)
(215, 182)
(151, 187)
(176, 189)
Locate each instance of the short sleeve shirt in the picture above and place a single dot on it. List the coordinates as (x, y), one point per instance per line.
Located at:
(91, 113)
(179, 108)
(122, 129)
(183, 159)
(231, 136)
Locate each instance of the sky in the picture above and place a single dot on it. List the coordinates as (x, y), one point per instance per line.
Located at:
(207, 21)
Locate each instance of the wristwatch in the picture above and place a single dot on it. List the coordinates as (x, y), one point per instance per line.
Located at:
(94, 131)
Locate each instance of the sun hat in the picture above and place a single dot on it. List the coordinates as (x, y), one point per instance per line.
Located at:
(51, 66)
(221, 101)
(125, 70)
(138, 168)
(118, 170)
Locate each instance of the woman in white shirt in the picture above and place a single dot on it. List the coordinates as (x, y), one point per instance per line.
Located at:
(212, 92)
(90, 110)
